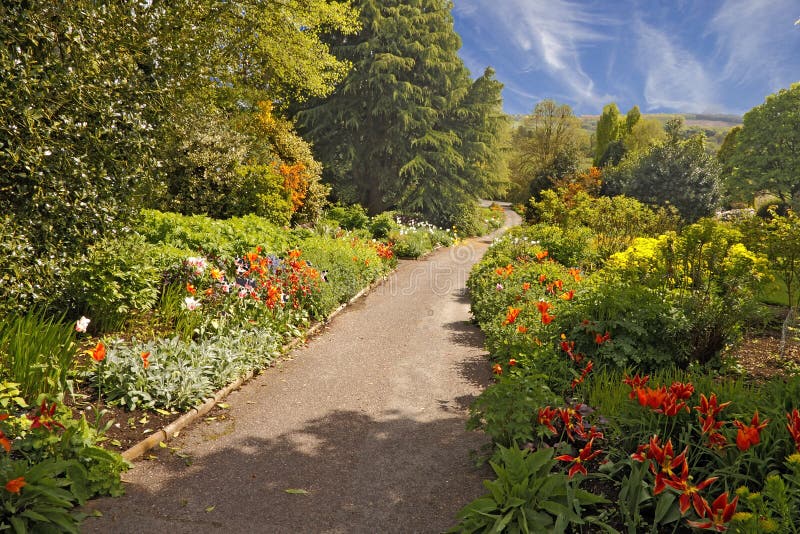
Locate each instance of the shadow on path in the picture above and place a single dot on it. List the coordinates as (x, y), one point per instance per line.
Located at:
(347, 446)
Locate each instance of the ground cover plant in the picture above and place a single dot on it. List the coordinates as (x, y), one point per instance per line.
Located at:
(613, 365)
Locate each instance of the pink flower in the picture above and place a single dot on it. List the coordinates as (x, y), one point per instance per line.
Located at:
(499, 287)
(81, 324)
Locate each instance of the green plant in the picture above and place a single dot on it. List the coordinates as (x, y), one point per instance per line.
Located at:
(37, 352)
(527, 496)
(351, 217)
(118, 278)
(506, 410)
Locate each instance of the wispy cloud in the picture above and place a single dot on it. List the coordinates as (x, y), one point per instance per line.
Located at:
(673, 77)
(752, 36)
(548, 35)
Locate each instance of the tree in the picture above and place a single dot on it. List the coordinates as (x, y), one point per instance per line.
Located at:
(608, 130)
(546, 147)
(392, 135)
(734, 192)
(644, 134)
(632, 119)
(678, 173)
(766, 157)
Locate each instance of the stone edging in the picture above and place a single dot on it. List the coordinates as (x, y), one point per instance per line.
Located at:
(171, 430)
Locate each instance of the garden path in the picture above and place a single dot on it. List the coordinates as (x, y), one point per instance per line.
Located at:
(366, 422)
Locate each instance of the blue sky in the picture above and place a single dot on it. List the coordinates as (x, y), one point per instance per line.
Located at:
(718, 56)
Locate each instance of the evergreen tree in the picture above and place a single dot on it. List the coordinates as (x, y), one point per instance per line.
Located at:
(608, 131)
(632, 118)
(402, 131)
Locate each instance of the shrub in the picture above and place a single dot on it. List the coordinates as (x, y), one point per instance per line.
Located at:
(118, 278)
(351, 217)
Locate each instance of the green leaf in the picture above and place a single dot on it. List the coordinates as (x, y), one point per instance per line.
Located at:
(293, 491)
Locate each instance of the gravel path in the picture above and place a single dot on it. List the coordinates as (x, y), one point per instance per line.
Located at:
(366, 421)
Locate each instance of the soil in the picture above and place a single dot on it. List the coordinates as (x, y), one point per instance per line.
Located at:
(759, 356)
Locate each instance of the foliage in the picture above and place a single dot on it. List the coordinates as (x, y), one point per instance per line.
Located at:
(348, 217)
(506, 410)
(37, 352)
(779, 239)
(765, 156)
(75, 140)
(178, 374)
(52, 463)
(118, 278)
(197, 233)
(676, 173)
(527, 496)
(615, 221)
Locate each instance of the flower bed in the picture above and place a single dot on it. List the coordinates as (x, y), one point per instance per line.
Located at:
(613, 406)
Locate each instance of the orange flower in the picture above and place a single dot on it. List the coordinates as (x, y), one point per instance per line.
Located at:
(749, 435)
(145, 362)
(190, 288)
(294, 254)
(576, 274)
(512, 362)
(526, 286)
(568, 295)
(542, 278)
(511, 316)
(543, 306)
(522, 328)
(13, 486)
(99, 352)
(541, 255)
(497, 369)
(547, 318)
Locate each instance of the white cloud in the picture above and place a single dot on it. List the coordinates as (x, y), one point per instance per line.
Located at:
(752, 37)
(673, 77)
(548, 35)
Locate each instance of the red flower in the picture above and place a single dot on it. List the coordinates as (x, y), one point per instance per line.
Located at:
(794, 427)
(512, 362)
(13, 486)
(542, 278)
(547, 318)
(689, 493)
(511, 316)
(635, 383)
(601, 339)
(568, 295)
(585, 455)
(497, 369)
(4, 441)
(99, 352)
(586, 371)
(709, 406)
(670, 406)
(190, 288)
(543, 306)
(145, 356)
(717, 515)
(45, 417)
(567, 415)
(749, 435)
(666, 460)
(545, 418)
(681, 391)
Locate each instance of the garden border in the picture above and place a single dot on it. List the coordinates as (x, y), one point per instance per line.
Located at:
(171, 430)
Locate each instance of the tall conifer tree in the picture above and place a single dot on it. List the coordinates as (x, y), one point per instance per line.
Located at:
(396, 133)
